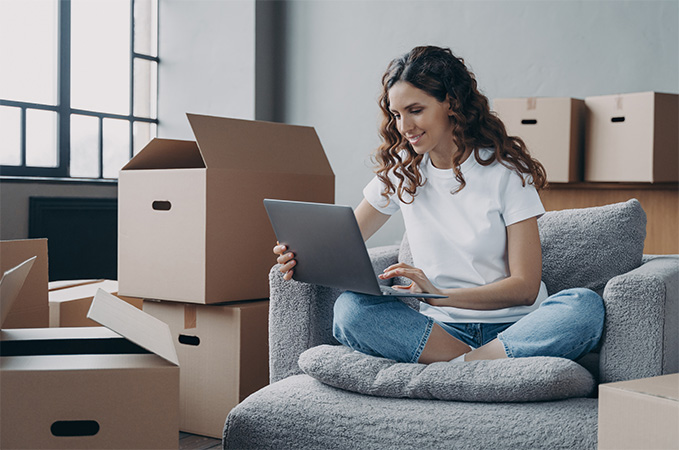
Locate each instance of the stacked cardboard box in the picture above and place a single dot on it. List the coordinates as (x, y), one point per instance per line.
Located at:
(68, 388)
(608, 138)
(195, 243)
(552, 129)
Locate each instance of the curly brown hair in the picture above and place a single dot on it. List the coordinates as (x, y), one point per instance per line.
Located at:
(444, 76)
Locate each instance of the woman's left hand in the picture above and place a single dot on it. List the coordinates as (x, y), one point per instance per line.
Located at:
(419, 281)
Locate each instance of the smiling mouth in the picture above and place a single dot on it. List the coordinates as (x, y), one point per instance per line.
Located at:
(414, 139)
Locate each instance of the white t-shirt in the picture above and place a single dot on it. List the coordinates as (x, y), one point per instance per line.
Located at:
(460, 240)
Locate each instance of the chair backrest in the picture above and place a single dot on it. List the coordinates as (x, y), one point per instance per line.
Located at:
(585, 247)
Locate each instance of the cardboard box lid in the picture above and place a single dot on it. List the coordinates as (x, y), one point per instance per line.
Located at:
(235, 144)
(10, 285)
(108, 310)
(167, 154)
(133, 324)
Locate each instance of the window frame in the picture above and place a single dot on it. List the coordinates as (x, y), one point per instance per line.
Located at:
(64, 111)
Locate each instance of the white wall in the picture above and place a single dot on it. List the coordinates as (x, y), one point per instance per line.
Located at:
(207, 62)
(337, 50)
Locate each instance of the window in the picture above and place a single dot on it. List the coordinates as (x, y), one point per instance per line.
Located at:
(78, 88)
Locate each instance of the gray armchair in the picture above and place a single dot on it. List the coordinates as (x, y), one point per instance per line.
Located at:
(600, 248)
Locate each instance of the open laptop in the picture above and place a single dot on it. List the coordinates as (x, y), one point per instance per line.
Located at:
(328, 247)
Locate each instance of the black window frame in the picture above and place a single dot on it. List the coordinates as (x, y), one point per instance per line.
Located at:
(64, 110)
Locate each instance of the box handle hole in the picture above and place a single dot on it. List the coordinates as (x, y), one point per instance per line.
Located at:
(617, 119)
(74, 428)
(529, 122)
(161, 205)
(189, 340)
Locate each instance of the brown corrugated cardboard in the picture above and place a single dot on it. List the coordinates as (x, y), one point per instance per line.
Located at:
(640, 414)
(192, 227)
(69, 304)
(70, 388)
(553, 130)
(31, 308)
(632, 137)
(223, 355)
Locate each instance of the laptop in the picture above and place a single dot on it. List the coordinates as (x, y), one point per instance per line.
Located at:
(328, 247)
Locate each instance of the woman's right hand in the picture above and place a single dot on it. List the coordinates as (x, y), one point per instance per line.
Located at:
(285, 259)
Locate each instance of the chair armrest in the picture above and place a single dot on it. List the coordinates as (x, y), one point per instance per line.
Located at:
(641, 325)
(300, 315)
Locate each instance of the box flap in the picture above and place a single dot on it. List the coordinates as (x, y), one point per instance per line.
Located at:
(167, 154)
(10, 285)
(248, 145)
(134, 324)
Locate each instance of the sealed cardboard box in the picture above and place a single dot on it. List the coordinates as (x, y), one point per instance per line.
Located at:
(69, 303)
(84, 388)
(632, 138)
(31, 308)
(553, 130)
(640, 414)
(223, 355)
(192, 226)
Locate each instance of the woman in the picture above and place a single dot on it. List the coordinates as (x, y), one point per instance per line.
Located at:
(468, 194)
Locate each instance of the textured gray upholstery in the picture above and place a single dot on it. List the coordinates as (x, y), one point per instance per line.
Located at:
(642, 309)
(587, 247)
(514, 380)
(302, 413)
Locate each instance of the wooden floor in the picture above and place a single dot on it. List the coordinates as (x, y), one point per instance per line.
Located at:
(194, 442)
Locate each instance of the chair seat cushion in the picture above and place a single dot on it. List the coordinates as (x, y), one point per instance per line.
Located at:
(507, 380)
(300, 412)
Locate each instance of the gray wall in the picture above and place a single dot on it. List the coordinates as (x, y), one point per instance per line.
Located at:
(319, 63)
(337, 50)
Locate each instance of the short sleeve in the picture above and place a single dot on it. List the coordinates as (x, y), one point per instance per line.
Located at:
(373, 194)
(519, 202)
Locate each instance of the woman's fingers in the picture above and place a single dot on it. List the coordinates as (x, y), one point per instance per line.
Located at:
(286, 260)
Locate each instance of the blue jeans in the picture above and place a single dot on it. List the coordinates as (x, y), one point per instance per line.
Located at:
(567, 325)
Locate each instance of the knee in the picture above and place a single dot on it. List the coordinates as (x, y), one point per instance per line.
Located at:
(589, 307)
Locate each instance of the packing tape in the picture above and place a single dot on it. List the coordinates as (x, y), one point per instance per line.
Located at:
(190, 320)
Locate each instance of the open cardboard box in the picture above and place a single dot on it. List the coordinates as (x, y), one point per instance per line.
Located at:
(223, 356)
(70, 388)
(192, 226)
(553, 130)
(70, 301)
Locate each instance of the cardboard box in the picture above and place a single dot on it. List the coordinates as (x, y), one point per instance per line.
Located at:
(223, 355)
(553, 130)
(640, 414)
(632, 137)
(69, 303)
(31, 308)
(192, 226)
(72, 388)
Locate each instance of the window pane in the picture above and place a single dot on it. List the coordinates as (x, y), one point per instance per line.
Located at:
(84, 146)
(145, 88)
(10, 136)
(100, 55)
(116, 146)
(146, 27)
(28, 45)
(41, 138)
(143, 133)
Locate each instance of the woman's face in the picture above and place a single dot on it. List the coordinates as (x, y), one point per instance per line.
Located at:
(424, 122)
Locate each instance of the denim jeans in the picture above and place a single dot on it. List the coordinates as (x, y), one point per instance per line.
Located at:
(567, 325)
